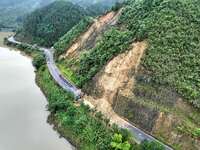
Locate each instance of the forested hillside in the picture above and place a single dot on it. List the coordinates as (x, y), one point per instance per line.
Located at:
(44, 26)
(172, 28)
(12, 11)
(164, 98)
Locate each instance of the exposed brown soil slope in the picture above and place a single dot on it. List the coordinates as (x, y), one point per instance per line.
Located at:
(114, 77)
(118, 93)
(88, 39)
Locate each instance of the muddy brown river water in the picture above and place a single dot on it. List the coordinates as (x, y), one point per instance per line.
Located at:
(23, 116)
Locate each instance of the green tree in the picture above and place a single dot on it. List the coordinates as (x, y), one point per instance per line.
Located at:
(118, 144)
(46, 25)
(145, 145)
(38, 60)
(197, 133)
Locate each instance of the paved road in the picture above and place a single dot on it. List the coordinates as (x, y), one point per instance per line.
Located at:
(141, 136)
(65, 84)
(54, 71)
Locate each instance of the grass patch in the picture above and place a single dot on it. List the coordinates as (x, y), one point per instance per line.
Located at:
(68, 73)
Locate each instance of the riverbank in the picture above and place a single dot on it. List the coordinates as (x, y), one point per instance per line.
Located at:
(20, 96)
(2, 36)
(52, 120)
(30, 53)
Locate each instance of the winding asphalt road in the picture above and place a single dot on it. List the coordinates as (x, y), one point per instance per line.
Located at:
(54, 71)
(65, 84)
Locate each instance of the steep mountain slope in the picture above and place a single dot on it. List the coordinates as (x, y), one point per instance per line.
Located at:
(13, 10)
(160, 94)
(112, 79)
(81, 42)
(172, 28)
(44, 26)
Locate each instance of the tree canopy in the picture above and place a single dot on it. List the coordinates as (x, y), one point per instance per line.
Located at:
(46, 25)
(172, 30)
(12, 11)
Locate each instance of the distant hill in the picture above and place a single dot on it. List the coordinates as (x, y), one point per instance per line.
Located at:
(13, 10)
(44, 26)
(96, 7)
(87, 3)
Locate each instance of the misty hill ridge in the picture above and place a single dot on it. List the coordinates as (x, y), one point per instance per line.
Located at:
(44, 26)
(12, 11)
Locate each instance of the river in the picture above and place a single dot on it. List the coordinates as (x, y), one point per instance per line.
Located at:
(23, 116)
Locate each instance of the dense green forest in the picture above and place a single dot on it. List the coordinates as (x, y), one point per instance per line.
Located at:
(172, 29)
(46, 25)
(13, 11)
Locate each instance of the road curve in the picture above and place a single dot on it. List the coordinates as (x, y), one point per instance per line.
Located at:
(65, 84)
(54, 71)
